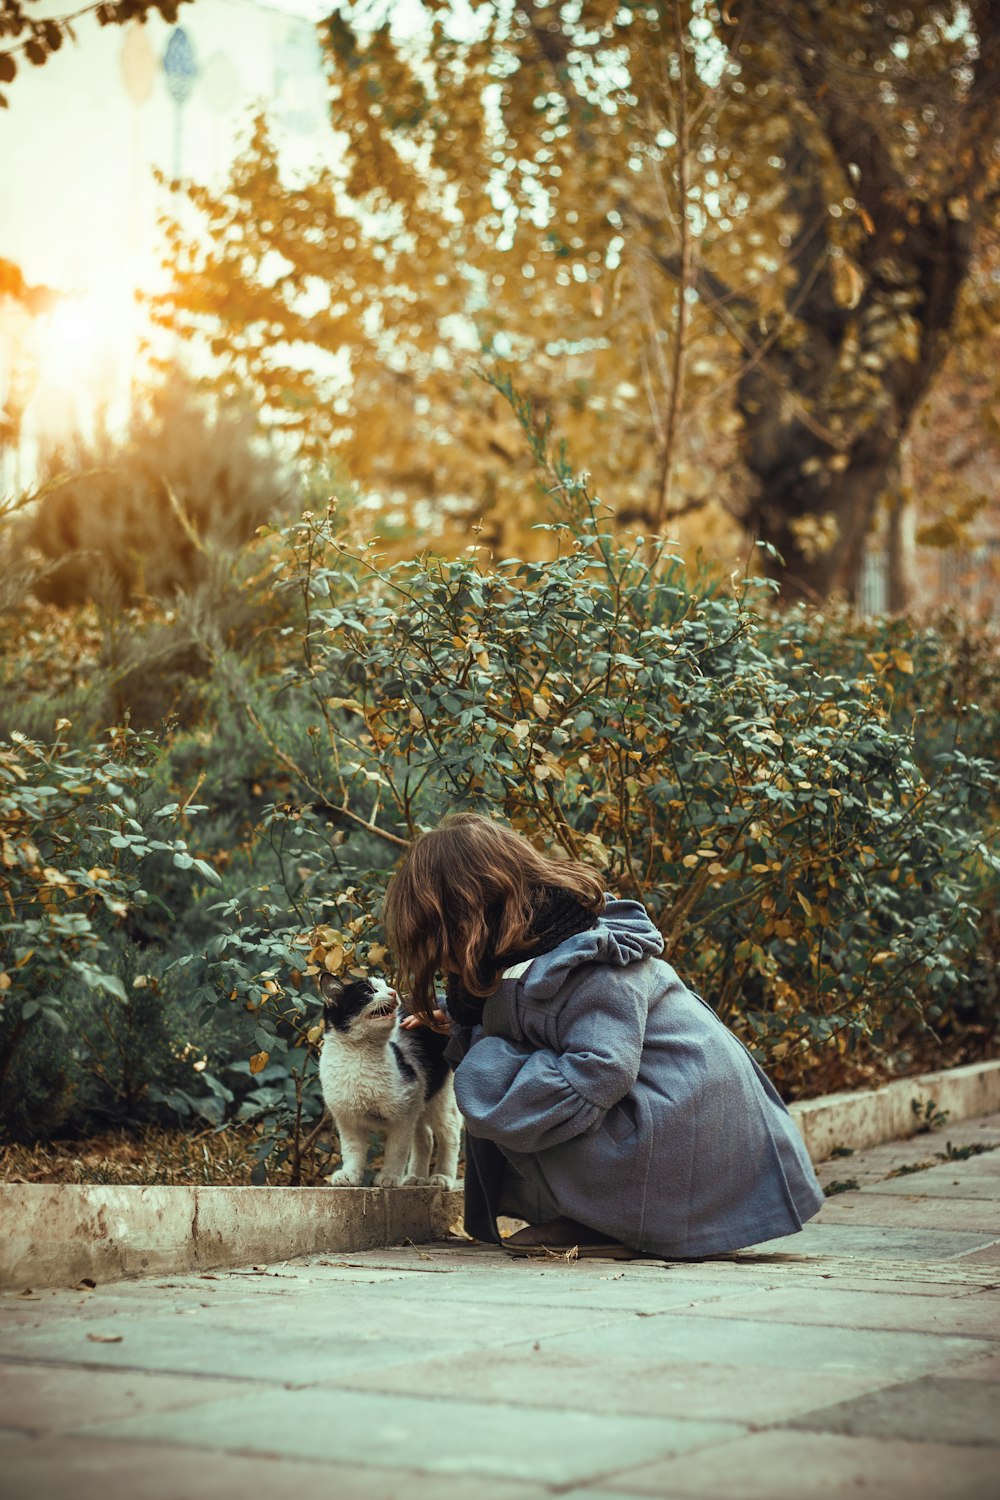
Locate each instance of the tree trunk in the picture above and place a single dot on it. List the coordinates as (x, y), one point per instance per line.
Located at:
(900, 543)
(824, 418)
(827, 395)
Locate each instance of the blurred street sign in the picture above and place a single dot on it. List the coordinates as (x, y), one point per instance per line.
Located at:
(138, 64)
(179, 66)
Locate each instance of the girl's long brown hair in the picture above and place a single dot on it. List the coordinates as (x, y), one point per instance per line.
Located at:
(462, 895)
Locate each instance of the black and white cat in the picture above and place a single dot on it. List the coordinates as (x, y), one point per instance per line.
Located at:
(377, 1076)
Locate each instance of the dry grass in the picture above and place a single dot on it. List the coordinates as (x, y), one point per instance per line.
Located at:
(148, 1157)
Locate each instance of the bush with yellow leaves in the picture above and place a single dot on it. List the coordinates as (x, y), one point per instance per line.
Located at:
(751, 775)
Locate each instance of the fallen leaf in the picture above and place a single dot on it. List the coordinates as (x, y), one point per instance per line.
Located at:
(85, 1284)
(105, 1338)
(28, 1295)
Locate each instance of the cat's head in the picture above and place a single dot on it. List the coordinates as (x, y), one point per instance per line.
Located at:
(362, 1009)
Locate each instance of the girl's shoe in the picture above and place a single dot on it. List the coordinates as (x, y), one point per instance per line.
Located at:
(565, 1239)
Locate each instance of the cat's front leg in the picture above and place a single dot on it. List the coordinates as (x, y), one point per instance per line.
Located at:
(353, 1153)
(446, 1123)
(419, 1169)
(398, 1144)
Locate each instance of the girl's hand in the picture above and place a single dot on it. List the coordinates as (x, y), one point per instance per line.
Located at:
(439, 1022)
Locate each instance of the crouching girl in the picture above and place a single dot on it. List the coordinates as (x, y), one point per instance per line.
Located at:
(604, 1102)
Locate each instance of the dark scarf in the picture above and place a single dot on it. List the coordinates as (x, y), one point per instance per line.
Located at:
(558, 915)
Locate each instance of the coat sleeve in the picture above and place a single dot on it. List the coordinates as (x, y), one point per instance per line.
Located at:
(531, 1099)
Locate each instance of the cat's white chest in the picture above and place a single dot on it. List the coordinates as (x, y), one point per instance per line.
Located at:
(363, 1083)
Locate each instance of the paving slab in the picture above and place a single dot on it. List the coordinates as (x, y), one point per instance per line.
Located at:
(563, 1379)
(785, 1465)
(301, 1340)
(987, 1368)
(534, 1444)
(929, 1410)
(986, 1255)
(744, 1340)
(978, 1316)
(860, 1356)
(89, 1469)
(875, 1241)
(41, 1400)
(914, 1212)
(941, 1183)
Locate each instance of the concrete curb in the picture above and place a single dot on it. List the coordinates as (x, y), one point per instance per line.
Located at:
(868, 1118)
(54, 1235)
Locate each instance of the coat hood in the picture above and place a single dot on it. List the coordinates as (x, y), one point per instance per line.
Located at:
(623, 934)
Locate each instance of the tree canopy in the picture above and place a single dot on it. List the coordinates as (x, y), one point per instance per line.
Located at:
(723, 249)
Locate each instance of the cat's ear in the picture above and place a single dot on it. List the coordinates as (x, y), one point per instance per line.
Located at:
(331, 989)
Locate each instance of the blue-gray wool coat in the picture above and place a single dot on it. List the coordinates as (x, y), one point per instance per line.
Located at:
(619, 1099)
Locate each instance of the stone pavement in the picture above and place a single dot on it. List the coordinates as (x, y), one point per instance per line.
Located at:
(859, 1357)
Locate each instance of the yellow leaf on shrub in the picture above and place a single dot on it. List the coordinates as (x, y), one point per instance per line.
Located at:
(540, 706)
(521, 730)
(315, 1032)
(806, 907)
(259, 1062)
(5, 981)
(334, 960)
(376, 953)
(904, 662)
(689, 861)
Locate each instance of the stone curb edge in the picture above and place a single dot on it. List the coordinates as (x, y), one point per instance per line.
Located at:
(55, 1235)
(873, 1116)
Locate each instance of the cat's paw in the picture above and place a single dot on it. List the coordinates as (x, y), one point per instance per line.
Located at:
(390, 1179)
(343, 1178)
(440, 1180)
(415, 1180)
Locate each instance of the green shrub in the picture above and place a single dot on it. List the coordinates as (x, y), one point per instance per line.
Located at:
(737, 769)
(77, 835)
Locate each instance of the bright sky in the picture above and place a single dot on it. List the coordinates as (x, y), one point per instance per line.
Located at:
(77, 150)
